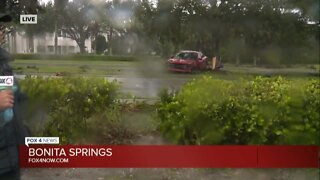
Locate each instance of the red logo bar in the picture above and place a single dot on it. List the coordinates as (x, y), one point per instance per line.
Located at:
(103, 156)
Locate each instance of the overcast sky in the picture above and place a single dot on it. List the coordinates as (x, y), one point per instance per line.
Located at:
(44, 1)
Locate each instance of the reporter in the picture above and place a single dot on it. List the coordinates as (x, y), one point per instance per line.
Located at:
(12, 132)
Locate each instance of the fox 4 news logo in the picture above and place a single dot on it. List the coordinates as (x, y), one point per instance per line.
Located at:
(28, 19)
(6, 80)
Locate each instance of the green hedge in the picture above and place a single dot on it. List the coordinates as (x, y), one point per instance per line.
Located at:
(73, 57)
(69, 105)
(261, 111)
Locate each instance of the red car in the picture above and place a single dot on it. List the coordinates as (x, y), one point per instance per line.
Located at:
(188, 61)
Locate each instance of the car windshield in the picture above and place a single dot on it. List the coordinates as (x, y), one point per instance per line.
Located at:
(187, 55)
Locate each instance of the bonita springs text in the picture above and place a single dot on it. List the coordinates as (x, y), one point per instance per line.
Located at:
(53, 152)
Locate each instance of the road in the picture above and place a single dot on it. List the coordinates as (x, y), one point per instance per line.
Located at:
(141, 79)
(145, 78)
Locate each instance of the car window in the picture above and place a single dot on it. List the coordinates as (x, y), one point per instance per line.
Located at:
(187, 55)
(180, 55)
(194, 56)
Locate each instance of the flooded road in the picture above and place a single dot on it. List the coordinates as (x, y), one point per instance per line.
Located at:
(146, 77)
(148, 87)
(143, 79)
(142, 86)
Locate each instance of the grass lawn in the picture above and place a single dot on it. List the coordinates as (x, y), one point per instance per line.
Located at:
(150, 67)
(296, 70)
(90, 68)
(71, 62)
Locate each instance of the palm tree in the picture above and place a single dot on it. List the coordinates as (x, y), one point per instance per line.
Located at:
(58, 7)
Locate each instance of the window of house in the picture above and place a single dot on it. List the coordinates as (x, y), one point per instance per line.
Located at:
(50, 49)
(71, 49)
(61, 34)
(64, 49)
(41, 49)
(59, 50)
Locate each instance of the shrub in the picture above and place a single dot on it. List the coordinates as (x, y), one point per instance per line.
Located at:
(262, 111)
(68, 104)
(311, 106)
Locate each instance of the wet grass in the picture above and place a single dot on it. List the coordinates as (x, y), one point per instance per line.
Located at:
(153, 67)
(294, 70)
(88, 68)
(141, 120)
(70, 62)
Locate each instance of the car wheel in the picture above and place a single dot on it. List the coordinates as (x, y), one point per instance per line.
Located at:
(192, 70)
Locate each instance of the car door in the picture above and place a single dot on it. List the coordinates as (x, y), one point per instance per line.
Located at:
(201, 62)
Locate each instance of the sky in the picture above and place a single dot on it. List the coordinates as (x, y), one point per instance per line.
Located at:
(45, 1)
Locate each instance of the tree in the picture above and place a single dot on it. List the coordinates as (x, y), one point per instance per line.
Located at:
(77, 21)
(58, 9)
(273, 30)
(15, 8)
(142, 27)
(100, 44)
(309, 9)
(119, 16)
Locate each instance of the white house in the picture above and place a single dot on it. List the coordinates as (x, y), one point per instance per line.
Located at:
(20, 43)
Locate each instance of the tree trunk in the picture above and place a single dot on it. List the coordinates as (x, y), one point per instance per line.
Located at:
(56, 27)
(9, 44)
(82, 50)
(217, 49)
(95, 43)
(56, 38)
(237, 60)
(82, 46)
(255, 58)
(14, 42)
(110, 41)
(31, 43)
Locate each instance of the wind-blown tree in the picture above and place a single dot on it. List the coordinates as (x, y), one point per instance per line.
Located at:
(196, 16)
(217, 26)
(309, 14)
(118, 22)
(58, 9)
(78, 17)
(262, 28)
(309, 9)
(128, 36)
(45, 17)
(142, 25)
(100, 44)
(166, 26)
(15, 8)
(184, 24)
(259, 28)
(273, 31)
